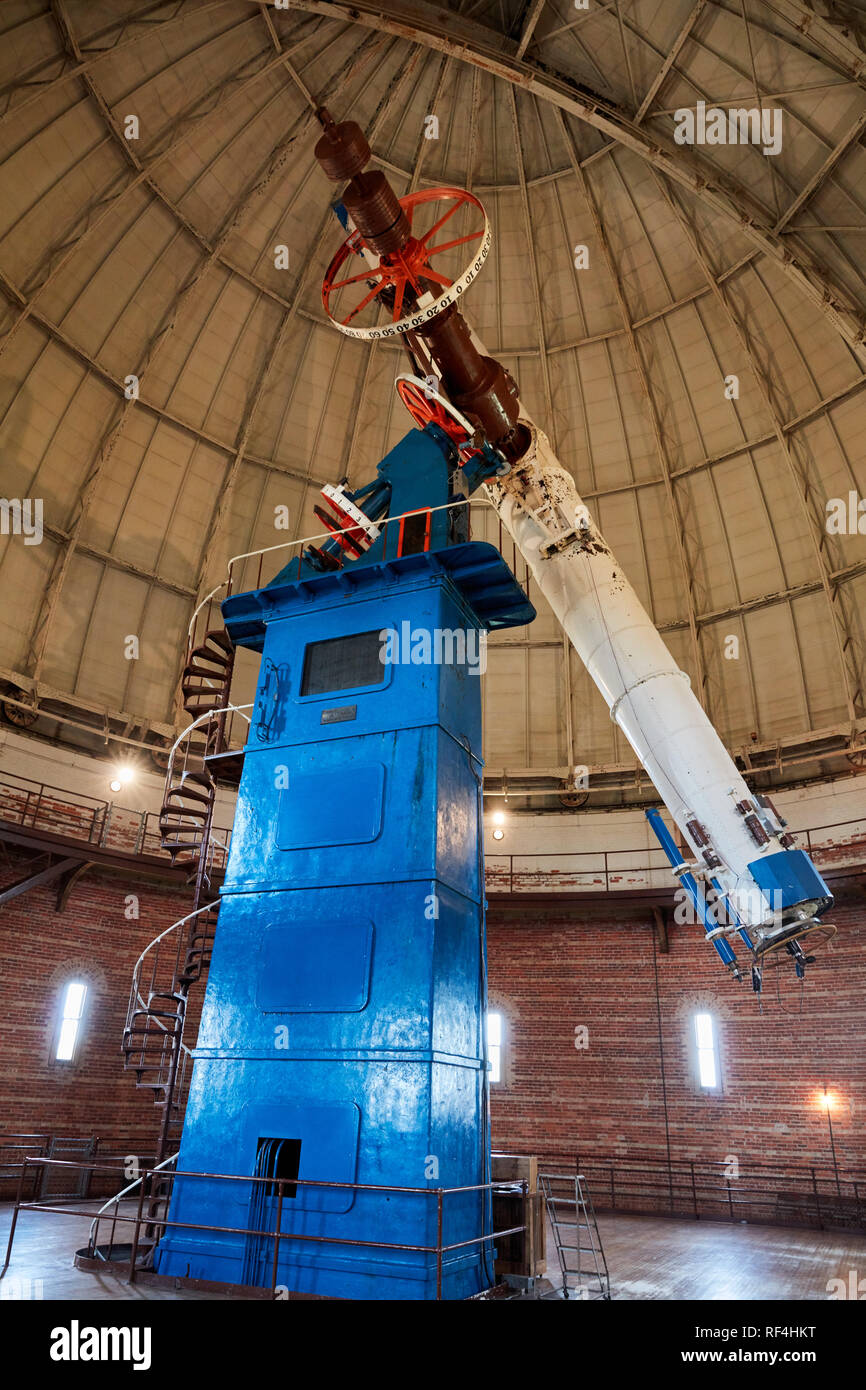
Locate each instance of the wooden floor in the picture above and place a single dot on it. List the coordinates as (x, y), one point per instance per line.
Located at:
(659, 1258)
(42, 1262)
(648, 1258)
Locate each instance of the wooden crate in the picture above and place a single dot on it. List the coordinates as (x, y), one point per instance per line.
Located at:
(522, 1253)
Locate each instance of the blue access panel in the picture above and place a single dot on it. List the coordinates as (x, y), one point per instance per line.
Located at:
(342, 1032)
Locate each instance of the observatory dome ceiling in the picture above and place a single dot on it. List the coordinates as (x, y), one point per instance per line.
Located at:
(685, 320)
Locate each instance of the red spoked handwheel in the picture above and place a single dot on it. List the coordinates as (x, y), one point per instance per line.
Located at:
(426, 406)
(407, 282)
(350, 541)
(349, 527)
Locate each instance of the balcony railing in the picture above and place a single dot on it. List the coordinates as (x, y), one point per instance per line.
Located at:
(89, 820)
(72, 815)
(838, 845)
(819, 1195)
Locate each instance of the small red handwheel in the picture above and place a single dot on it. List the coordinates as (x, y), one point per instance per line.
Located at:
(426, 407)
(349, 541)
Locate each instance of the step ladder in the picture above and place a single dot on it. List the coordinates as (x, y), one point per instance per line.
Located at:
(575, 1232)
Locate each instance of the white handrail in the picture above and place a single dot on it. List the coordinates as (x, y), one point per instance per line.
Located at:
(305, 540)
(136, 977)
(322, 536)
(209, 714)
(179, 923)
(205, 600)
(118, 1197)
(326, 535)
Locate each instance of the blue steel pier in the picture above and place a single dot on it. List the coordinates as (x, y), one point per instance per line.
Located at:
(342, 1033)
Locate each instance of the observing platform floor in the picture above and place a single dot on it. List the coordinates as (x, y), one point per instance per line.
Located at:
(655, 1257)
(43, 1254)
(648, 1258)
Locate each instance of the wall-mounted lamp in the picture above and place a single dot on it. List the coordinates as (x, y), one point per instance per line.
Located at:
(122, 775)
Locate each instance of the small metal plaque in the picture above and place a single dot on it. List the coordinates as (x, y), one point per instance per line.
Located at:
(341, 714)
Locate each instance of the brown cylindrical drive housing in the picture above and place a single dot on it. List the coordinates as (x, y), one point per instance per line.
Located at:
(343, 150)
(375, 210)
(479, 386)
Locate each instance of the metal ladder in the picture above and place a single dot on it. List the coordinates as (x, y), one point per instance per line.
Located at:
(572, 1218)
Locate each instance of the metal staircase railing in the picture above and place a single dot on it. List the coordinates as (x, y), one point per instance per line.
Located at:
(153, 1047)
(153, 1037)
(160, 1197)
(187, 810)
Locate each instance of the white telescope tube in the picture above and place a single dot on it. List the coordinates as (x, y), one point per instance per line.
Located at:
(648, 695)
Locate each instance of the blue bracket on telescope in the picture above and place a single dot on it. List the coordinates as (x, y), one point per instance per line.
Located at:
(788, 879)
(666, 840)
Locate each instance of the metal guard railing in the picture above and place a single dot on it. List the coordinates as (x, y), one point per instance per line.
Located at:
(275, 1234)
(57, 811)
(806, 1195)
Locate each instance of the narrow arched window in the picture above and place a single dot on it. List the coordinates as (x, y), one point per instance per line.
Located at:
(706, 1047)
(71, 1019)
(495, 1044)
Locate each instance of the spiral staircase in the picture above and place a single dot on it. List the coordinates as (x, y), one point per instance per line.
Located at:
(175, 961)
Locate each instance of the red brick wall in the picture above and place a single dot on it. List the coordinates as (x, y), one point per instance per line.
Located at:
(549, 974)
(40, 950)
